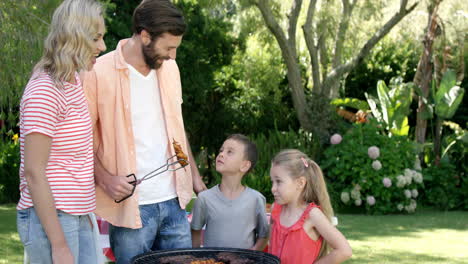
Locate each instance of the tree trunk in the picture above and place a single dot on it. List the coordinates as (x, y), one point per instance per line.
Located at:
(423, 74)
(289, 54)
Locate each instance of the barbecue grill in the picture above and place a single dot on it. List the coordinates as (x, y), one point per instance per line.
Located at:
(224, 255)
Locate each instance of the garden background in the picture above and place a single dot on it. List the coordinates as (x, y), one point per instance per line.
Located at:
(372, 90)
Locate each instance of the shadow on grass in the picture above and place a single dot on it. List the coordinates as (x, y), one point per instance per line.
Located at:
(425, 220)
(401, 257)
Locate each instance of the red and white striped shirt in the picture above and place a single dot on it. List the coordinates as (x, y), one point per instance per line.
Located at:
(62, 114)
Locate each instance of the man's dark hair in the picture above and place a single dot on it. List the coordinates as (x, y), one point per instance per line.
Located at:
(158, 17)
(250, 149)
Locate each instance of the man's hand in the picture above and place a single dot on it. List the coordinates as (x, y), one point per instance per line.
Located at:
(198, 184)
(117, 187)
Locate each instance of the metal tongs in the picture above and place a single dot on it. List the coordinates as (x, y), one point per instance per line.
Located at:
(168, 166)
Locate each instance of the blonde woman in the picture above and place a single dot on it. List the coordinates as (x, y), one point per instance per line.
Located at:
(56, 172)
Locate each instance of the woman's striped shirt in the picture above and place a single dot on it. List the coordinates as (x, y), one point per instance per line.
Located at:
(62, 114)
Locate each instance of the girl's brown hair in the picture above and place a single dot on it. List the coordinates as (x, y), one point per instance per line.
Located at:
(315, 189)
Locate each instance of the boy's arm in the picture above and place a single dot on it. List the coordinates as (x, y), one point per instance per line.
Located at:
(198, 221)
(260, 244)
(263, 227)
(196, 238)
(341, 250)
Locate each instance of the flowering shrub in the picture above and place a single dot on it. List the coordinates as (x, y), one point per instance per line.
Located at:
(372, 171)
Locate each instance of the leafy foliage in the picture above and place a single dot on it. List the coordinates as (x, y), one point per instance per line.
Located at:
(392, 106)
(388, 59)
(9, 169)
(23, 26)
(351, 102)
(350, 169)
(447, 184)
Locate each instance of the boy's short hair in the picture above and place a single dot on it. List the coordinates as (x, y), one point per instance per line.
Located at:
(250, 149)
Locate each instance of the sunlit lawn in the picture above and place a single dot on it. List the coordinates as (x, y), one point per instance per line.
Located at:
(428, 236)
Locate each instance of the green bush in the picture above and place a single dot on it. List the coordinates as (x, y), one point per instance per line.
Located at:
(372, 172)
(447, 184)
(9, 169)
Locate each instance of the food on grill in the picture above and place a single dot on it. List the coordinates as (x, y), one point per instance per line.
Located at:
(231, 258)
(182, 158)
(220, 258)
(187, 259)
(209, 261)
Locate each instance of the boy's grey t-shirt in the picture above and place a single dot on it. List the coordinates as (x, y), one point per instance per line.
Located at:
(230, 223)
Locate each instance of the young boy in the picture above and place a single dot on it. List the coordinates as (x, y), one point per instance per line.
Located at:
(234, 214)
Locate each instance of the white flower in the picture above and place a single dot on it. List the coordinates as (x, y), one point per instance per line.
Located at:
(408, 179)
(408, 173)
(407, 193)
(373, 152)
(411, 207)
(370, 200)
(335, 139)
(400, 207)
(417, 164)
(417, 176)
(358, 202)
(387, 182)
(355, 194)
(345, 197)
(414, 193)
(376, 165)
(357, 187)
(401, 181)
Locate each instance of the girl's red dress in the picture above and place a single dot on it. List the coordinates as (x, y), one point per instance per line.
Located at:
(292, 244)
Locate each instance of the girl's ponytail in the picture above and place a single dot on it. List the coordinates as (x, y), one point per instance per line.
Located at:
(315, 190)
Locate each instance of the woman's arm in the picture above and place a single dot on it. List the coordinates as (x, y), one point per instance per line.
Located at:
(341, 249)
(36, 156)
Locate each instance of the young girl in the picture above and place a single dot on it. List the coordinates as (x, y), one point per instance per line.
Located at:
(302, 231)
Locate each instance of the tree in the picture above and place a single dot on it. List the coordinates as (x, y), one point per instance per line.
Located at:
(23, 27)
(423, 75)
(326, 69)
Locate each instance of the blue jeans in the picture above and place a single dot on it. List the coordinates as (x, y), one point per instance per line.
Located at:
(165, 226)
(78, 233)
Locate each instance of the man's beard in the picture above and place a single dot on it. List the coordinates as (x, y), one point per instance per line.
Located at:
(152, 57)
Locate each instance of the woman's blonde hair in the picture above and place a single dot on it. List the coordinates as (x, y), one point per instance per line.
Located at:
(69, 45)
(315, 189)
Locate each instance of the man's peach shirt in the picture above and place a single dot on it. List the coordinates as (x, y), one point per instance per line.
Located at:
(108, 93)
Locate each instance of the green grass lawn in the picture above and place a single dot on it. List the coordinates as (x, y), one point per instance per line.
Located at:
(428, 236)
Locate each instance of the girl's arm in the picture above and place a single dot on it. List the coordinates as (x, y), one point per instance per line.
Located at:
(36, 155)
(341, 250)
